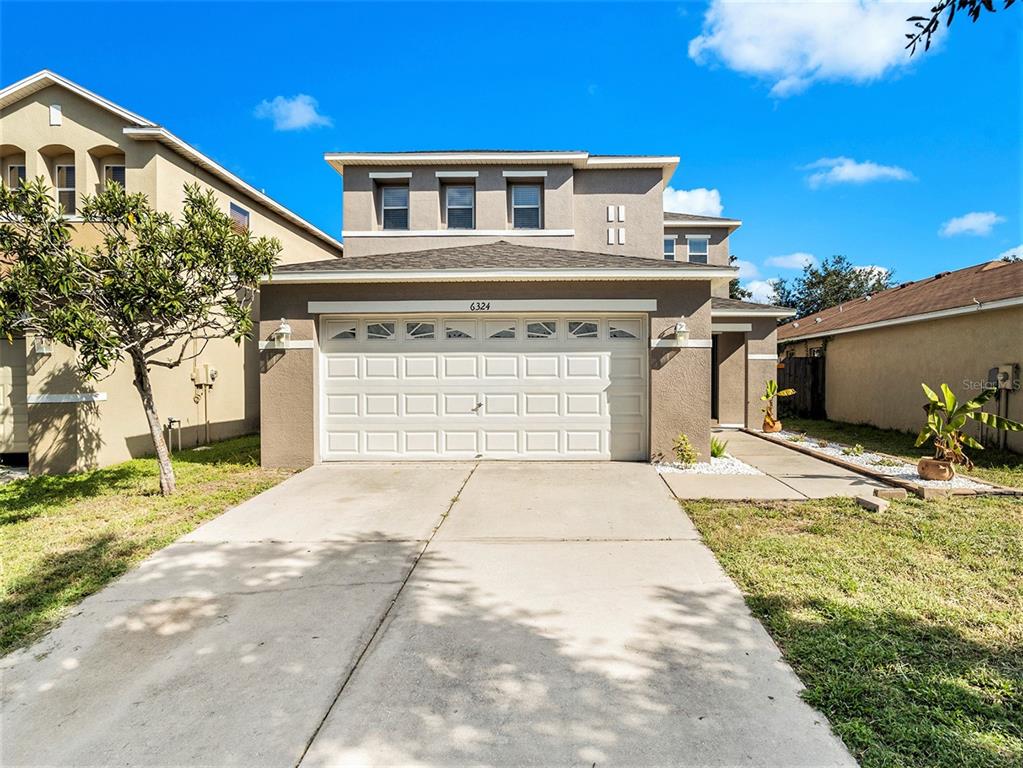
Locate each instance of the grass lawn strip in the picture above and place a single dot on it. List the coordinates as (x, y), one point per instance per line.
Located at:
(64, 537)
(906, 627)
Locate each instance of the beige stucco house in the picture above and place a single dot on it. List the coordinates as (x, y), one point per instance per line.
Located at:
(78, 141)
(961, 328)
(501, 304)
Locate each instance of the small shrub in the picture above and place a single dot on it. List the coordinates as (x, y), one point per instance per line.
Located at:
(856, 450)
(684, 452)
(795, 438)
(717, 447)
(823, 443)
(883, 462)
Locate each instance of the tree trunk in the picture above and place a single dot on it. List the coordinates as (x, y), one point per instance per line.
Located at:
(145, 389)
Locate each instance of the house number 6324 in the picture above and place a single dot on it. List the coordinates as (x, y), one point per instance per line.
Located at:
(479, 306)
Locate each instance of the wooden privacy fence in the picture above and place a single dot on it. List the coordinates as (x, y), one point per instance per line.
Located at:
(806, 376)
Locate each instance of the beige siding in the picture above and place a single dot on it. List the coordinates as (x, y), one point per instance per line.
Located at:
(13, 407)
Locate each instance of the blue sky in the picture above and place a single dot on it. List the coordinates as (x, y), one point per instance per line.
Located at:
(916, 165)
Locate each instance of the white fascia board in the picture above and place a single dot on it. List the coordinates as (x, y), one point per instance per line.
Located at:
(33, 83)
(1015, 301)
(538, 174)
(486, 276)
(690, 236)
(714, 313)
(457, 174)
(497, 306)
(391, 175)
(762, 356)
(168, 139)
(458, 233)
(727, 223)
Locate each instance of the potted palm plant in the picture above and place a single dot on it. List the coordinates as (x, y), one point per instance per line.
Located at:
(946, 418)
(772, 424)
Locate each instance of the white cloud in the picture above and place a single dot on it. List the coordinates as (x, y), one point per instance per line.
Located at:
(763, 290)
(292, 114)
(1017, 252)
(973, 223)
(845, 170)
(701, 201)
(747, 269)
(794, 44)
(796, 260)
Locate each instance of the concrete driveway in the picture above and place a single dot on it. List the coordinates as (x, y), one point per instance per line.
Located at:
(430, 615)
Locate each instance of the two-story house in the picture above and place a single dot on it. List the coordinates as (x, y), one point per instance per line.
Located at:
(520, 305)
(79, 142)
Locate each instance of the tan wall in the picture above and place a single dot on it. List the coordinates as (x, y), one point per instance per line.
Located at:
(874, 376)
(571, 200)
(13, 407)
(731, 378)
(679, 378)
(762, 340)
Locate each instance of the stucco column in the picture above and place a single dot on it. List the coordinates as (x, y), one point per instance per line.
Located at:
(288, 414)
(732, 378)
(761, 366)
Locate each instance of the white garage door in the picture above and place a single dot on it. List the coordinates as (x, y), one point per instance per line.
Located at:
(463, 387)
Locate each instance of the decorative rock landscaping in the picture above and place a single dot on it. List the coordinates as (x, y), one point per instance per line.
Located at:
(725, 465)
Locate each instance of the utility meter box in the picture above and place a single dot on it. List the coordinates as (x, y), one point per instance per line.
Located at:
(1007, 376)
(204, 375)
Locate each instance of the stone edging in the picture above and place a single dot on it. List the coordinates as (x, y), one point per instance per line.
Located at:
(922, 491)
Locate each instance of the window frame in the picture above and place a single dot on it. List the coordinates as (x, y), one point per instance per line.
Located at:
(72, 189)
(539, 205)
(673, 256)
(124, 172)
(21, 176)
(689, 253)
(384, 208)
(471, 207)
(232, 209)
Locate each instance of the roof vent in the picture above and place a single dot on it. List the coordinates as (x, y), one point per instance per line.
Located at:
(941, 275)
(795, 324)
(817, 320)
(868, 297)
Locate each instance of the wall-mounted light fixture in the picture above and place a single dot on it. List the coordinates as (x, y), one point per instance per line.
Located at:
(42, 346)
(681, 331)
(283, 333)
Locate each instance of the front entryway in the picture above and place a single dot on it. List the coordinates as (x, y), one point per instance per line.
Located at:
(474, 386)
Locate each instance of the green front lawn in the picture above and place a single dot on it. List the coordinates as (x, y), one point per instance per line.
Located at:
(992, 465)
(65, 537)
(906, 627)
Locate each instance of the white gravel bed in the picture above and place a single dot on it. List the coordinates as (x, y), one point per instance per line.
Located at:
(903, 470)
(725, 465)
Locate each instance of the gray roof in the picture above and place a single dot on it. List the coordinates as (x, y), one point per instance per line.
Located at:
(734, 304)
(683, 218)
(497, 256)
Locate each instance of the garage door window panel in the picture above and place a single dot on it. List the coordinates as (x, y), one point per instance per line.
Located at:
(542, 329)
(623, 329)
(420, 330)
(380, 330)
(501, 329)
(584, 329)
(342, 330)
(459, 329)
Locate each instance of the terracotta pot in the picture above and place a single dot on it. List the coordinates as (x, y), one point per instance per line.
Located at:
(772, 426)
(935, 469)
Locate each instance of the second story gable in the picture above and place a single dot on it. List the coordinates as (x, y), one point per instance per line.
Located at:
(79, 142)
(411, 201)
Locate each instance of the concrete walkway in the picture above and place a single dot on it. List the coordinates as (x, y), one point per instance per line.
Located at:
(431, 615)
(787, 474)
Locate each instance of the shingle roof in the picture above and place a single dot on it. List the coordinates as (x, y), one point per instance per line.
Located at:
(720, 303)
(497, 256)
(683, 218)
(991, 281)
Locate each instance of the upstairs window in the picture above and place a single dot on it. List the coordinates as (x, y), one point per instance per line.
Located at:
(669, 248)
(239, 217)
(525, 206)
(15, 176)
(394, 204)
(699, 248)
(113, 173)
(459, 201)
(66, 188)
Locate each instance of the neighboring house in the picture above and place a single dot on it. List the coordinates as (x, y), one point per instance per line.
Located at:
(78, 141)
(517, 305)
(962, 328)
